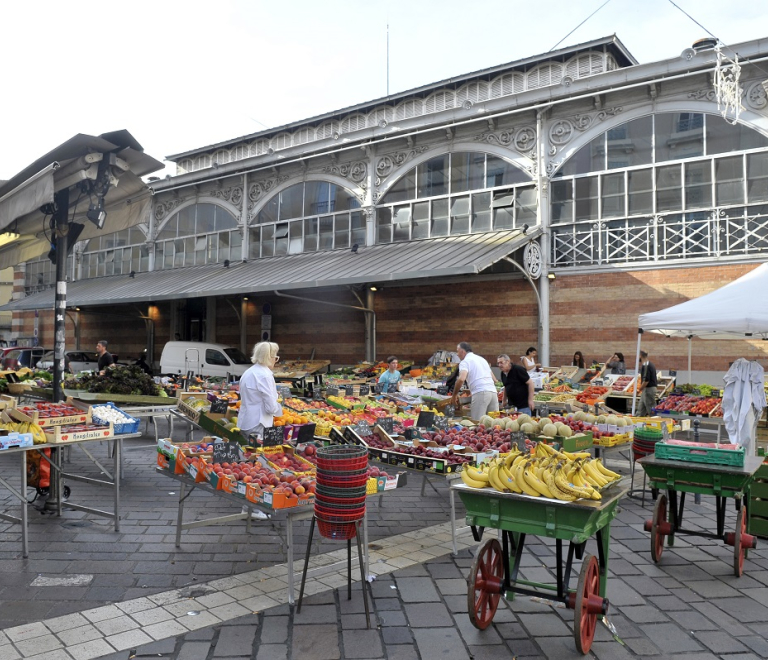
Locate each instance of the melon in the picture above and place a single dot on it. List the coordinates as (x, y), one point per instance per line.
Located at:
(523, 419)
(620, 421)
(550, 430)
(486, 421)
(612, 420)
(589, 418)
(512, 425)
(602, 419)
(560, 426)
(528, 428)
(580, 416)
(544, 421)
(566, 431)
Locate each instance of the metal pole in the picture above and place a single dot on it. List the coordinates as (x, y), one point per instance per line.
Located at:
(690, 379)
(61, 200)
(637, 371)
(542, 194)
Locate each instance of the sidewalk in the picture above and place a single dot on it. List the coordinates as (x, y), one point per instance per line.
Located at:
(143, 590)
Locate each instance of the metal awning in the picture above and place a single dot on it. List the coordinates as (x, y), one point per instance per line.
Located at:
(22, 196)
(377, 264)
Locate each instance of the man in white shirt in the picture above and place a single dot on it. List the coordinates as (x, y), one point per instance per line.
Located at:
(477, 373)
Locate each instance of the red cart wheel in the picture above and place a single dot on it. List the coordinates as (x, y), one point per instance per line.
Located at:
(486, 580)
(659, 522)
(741, 542)
(588, 604)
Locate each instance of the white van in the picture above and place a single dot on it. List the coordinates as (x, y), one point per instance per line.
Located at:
(203, 359)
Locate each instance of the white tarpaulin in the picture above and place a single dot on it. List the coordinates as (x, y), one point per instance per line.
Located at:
(743, 402)
(735, 311)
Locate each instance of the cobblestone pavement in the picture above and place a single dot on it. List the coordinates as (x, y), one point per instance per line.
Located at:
(142, 589)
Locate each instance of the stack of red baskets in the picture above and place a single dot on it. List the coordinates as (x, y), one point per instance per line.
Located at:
(340, 495)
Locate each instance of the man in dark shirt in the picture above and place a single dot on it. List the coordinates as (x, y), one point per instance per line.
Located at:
(105, 358)
(648, 384)
(518, 386)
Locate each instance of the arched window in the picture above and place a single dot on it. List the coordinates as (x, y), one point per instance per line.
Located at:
(196, 235)
(115, 254)
(456, 193)
(306, 217)
(670, 185)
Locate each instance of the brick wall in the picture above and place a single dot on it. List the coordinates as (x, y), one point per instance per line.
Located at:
(597, 315)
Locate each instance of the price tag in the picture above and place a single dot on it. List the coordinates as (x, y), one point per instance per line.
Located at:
(672, 373)
(717, 394)
(332, 391)
(306, 433)
(449, 410)
(220, 406)
(351, 436)
(378, 388)
(226, 452)
(284, 392)
(363, 428)
(426, 420)
(442, 390)
(317, 394)
(387, 423)
(441, 423)
(273, 435)
(519, 438)
(364, 390)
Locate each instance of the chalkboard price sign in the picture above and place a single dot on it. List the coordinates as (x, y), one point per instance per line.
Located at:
(332, 391)
(449, 410)
(442, 390)
(273, 435)
(364, 390)
(441, 423)
(519, 438)
(284, 392)
(426, 420)
(317, 394)
(219, 406)
(387, 423)
(226, 452)
(363, 428)
(306, 433)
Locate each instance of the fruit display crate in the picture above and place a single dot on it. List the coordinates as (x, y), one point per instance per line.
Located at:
(76, 432)
(269, 454)
(123, 427)
(185, 407)
(698, 454)
(47, 415)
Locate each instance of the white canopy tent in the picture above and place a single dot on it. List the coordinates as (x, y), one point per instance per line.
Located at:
(739, 310)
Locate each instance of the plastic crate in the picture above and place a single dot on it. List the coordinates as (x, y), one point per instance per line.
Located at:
(342, 482)
(127, 427)
(330, 491)
(341, 501)
(332, 515)
(336, 531)
(693, 454)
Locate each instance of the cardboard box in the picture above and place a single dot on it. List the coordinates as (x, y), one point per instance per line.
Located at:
(184, 407)
(213, 422)
(13, 439)
(272, 500)
(288, 451)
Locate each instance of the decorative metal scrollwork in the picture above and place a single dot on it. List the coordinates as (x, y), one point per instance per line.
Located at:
(532, 260)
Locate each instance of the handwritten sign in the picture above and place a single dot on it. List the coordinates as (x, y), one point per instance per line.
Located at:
(226, 452)
(363, 428)
(426, 420)
(332, 391)
(317, 394)
(387, 423)
(365, 390)
(519, 438)
(219, 406)
(449, 410)
(272, 436)
(284, 392)
(306, 433)
(441, 423)
(442, 390)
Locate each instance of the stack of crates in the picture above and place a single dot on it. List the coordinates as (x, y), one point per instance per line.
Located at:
(758, 502)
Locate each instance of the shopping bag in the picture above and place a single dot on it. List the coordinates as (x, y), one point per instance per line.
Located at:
(38, 469)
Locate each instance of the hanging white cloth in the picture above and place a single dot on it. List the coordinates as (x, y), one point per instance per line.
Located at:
(743, 402)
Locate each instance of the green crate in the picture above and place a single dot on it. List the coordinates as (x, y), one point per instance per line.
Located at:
(758, 508)
(758, 526)
(709, 455)
(759, 489)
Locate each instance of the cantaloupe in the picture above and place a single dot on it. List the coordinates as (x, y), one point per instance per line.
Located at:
(612, 420)
(528, 428)
(512, 425)
(523, 419)
(566, 431)
(580, 416)
(550, 430)
(589, 418)
(544, 421)
(486, 421)
(602, 419)
(620, 421)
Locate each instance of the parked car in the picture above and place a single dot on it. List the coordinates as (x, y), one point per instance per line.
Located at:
(22, 356)
(74, 361)
(178, 357)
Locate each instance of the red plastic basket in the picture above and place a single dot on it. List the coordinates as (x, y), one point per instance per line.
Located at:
(330, 491)
(343, 473)
(336, 531)
(341, 482)
(332, 515)
(349, 501)
(341, 452)
(342, 465)
(343, 508)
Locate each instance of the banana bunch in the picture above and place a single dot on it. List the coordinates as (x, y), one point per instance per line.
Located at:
(544, 472)
(38, 435)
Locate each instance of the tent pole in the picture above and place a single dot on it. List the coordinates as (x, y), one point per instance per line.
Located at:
(637, 371)
(690, 380)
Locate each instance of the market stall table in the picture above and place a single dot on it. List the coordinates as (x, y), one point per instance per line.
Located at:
(494, 572)
(59, 475)
(722, 481)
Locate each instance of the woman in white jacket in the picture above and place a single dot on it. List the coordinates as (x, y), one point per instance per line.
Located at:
(258, 392)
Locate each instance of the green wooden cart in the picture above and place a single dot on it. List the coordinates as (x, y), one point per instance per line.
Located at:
(722, 481)
(494, 572)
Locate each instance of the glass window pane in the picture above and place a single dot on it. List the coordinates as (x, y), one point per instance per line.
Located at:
(206, 219)
(420, 220)
(460, 172)
(562, 200)
(460, 215)
(254, 245)
(679, 135)
(668, 189)
(504, 209)
(698, 185)
(143, 258)
(432, 177)
(481, 212)
(613, 195)
(384, 225)
(590, 158)
(586, 198)
(292, 202)
(501, 173)
(170, 249)
(729, 178)
(757, 177)
(525, 206)
(281, 239)
(342, 199)
(341, 230)
(213, 247)
(235, 245)
(268, 240)
(168, 230)
(723, 137)
(402, 223)
(269, 212)
(317, 198)
(439, 218)
(224, 219)
(326, 232)
(310, 234)
(186, 221)
(640, 192)
(295, 237)
(178, 253)
(404, 189)
(358, 223)
(630, 144)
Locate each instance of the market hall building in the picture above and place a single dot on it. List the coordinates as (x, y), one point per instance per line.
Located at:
(546, 202)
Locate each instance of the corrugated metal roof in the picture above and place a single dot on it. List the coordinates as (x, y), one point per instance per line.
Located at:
(435, 257)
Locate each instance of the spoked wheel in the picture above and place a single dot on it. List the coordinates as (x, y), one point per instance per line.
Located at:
(658, 527)
(485, 582)
(588, 604)
(741, 542)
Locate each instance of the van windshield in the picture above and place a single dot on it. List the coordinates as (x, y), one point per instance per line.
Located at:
(236, 355)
